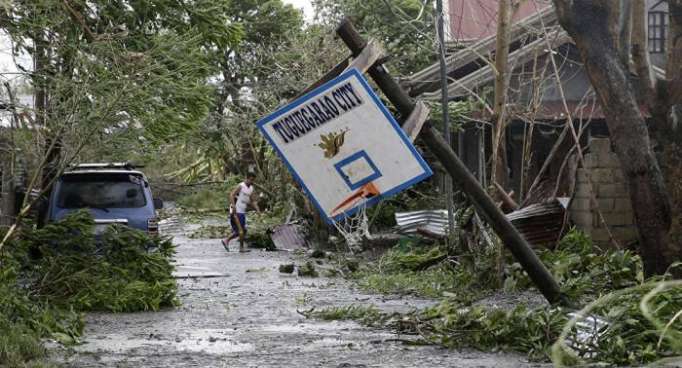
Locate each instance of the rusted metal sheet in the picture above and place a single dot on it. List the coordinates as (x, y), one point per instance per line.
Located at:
(288, 236)
(540, 224)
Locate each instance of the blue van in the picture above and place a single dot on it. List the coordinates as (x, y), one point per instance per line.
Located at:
(114, 193)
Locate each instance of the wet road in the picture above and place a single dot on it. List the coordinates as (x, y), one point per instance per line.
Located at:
(238, 310)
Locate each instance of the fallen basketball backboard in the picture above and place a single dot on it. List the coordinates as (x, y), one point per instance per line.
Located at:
(343, 146)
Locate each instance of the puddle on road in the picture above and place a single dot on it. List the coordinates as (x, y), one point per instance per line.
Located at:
(327, 342)
(217, 347)
(213, 342)
(322, 327)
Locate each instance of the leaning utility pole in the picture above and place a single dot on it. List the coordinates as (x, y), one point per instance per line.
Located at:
(444, 105)
(510, 237)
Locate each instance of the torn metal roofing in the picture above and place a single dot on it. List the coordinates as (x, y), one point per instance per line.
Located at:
(434, 221)
(473, 56)
(540, 224)
(463, 86)
(288, 236)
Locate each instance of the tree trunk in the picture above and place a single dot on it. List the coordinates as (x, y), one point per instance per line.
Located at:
(584, 21)
(623, 24)
(8, 195)
(640, 53)
(673, 89)
(499, 155)
(673, 67)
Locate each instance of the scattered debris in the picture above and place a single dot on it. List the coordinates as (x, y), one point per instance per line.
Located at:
(318, 253)
(287, 268)
(307, 270)
(431, 221)
(211, 232)
(254, 270)
(540, 224)
(288, 236)
(351, 265)
(260, 240)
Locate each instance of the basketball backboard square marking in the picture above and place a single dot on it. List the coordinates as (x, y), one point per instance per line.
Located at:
(357, 170)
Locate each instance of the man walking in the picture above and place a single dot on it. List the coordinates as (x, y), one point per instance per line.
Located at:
(240, 198)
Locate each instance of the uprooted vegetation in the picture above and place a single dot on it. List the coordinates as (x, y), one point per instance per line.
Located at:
(50, 275)
(255, 238)
(258, 230)
(629, 320)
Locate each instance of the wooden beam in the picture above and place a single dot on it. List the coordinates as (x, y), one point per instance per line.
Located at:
(414, 123)
(369, 55)
(507, 198)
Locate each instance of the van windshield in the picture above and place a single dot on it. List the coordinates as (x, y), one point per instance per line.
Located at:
(101, 191)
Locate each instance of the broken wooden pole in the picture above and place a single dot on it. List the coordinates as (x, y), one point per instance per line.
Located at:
(511, 238)
(506, 198)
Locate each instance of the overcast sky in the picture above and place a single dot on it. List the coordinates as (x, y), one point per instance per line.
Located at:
(306, 5)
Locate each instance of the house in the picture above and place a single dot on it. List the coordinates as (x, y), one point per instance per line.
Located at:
(543, 94)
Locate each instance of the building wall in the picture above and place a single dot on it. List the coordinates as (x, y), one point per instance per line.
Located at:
(471, 20)
(613, 200)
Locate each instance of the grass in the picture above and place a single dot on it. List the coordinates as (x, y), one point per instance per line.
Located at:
(411, 269)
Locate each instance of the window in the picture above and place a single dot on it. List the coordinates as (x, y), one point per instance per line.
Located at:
(658, 26)
(101, 191)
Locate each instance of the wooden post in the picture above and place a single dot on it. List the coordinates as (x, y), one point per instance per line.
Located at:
(459, 173)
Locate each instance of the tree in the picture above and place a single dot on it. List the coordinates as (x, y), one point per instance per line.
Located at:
(602, 36)
(228, 134)
(160, 50)
(499, 172)
(113, 75)
(404, 27)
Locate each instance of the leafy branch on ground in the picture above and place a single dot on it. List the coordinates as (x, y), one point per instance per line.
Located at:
(49, 276)
(637, 329)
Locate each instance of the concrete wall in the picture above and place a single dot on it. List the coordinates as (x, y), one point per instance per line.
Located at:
(608, 185)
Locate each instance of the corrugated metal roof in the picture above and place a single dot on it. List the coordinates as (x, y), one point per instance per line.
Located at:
(463, 86)
(428, 80)
(476, 19)
(435, 221)
(540, 224)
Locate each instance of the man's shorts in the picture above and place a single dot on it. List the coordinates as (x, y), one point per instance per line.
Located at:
(242, 221)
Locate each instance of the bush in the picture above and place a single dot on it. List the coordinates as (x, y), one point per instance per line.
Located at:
(211, 197)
